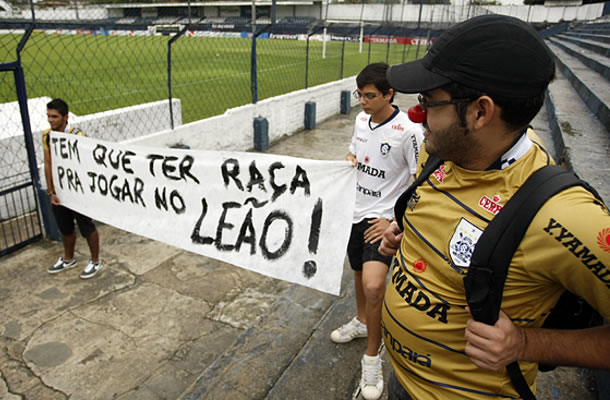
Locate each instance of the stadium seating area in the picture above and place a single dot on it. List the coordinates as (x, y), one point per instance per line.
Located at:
(298, 20)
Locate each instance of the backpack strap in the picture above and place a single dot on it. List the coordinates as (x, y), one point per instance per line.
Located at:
(431, 165)
(484, 282)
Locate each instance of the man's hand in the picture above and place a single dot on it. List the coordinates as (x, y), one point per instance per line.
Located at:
(54, 199)
(493, 347)
(375, 232)
(351, 158)
(391, 240)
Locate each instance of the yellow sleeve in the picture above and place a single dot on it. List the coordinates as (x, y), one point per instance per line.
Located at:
(568, 243)
(45, 139)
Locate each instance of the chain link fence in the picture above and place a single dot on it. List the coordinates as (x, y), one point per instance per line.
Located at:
(132, 71)
(97, 62)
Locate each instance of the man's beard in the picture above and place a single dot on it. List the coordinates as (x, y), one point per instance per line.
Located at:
(451, 144)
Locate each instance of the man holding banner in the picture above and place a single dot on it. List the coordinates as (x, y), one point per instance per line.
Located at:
(57, 115)
(384, 149)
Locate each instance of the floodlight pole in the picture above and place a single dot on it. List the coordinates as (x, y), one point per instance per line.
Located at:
(324, 44)
(361, 36)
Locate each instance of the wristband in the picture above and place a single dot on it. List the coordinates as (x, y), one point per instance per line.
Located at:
(51, 192)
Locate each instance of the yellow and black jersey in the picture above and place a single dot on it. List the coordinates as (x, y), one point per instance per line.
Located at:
(567, 246)
(46, 137)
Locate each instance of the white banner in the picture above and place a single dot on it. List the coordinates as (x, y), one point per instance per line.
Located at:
(283, 217)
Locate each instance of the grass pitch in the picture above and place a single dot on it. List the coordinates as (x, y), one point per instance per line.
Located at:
(209, 75)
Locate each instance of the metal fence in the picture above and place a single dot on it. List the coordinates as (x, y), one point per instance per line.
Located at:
(19, 214)
(128, 76)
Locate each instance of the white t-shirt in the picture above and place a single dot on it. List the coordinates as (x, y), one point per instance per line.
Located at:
(387, 157)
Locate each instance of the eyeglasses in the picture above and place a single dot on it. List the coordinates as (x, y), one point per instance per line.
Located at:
(369, 96)
(429, 104)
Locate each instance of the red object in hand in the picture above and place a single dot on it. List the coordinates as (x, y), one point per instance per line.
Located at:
(416, 114)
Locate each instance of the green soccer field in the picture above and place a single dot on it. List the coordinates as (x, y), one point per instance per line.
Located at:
(209, 75)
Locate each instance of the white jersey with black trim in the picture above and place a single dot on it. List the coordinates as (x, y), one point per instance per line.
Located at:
(387, 157)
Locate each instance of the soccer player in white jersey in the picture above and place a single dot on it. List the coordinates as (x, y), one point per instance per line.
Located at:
(384, 149)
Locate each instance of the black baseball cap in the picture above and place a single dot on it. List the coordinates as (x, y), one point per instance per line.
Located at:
(496, 54)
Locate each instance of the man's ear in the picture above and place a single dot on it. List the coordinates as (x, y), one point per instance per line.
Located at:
(483, 110)
(389, 94)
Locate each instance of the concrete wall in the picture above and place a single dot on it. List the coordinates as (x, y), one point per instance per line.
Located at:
(234, 129)
(541, 13)
(450, 14)
(130, 122)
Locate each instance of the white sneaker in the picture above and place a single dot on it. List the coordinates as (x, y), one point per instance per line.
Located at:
(353, 329)
(92, 269)
(61, 265)
(371, 381)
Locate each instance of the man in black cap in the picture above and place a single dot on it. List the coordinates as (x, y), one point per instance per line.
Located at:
(480, 85)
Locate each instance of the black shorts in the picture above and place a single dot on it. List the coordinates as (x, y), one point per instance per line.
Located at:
(360, 252)
(65, 221)
(395, 389)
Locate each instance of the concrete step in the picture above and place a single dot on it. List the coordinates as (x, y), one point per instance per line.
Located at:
(595, 92)
(598, 47)
(323, 369)
(603, 38)
(253, 364)
(583, 142)
(593, 27)
(595, 61)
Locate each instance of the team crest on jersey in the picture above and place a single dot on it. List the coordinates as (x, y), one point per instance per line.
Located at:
(603, 240)
(461, 245)
(440, 174)
(385, 148)
(413, 200)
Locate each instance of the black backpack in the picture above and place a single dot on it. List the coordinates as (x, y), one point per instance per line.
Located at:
(484, 282)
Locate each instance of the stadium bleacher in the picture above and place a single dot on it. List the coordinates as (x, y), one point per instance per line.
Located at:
(167, 20)
(126, 20)
(298, 20)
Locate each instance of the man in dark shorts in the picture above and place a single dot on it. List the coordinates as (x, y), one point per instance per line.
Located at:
(384, 149)
(57, 115)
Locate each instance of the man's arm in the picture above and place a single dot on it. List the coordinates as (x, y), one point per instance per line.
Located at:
(494, 347)
(48, 173)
